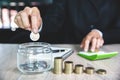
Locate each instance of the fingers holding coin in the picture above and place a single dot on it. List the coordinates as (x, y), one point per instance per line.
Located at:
(29, 19)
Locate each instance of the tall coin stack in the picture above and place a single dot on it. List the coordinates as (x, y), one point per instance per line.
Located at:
(58, 65)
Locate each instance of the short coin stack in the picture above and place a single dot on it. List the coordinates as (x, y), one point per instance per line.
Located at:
(89, 70)
(78, 69)
(101, 71)
(68, 67)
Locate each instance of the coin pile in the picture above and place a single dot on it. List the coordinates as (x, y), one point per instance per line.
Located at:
(89, 70)
(101, 71)
(35, 66)
(68, 67)
(79, 68)
(34, 36)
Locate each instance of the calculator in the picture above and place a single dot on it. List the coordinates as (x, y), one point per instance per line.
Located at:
(97, 55)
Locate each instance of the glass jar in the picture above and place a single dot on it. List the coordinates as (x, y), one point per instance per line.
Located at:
(34, 57)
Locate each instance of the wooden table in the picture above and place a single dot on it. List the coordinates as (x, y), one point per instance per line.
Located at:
(9, 71)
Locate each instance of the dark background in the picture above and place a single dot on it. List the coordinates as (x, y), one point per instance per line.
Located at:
(22, 36)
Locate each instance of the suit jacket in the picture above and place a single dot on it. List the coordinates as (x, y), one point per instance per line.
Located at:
(68, 21)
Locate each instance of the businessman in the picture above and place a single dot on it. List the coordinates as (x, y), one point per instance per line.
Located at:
(88, 22)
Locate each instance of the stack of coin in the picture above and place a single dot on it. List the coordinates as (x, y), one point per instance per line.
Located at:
(68, 68)
(101, 71)
(58, 65)
(78, 69)
(89, 70)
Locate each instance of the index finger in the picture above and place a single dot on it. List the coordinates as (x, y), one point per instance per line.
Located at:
(35, 18)
(86, 47)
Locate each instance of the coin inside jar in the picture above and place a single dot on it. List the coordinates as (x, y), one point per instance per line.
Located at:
(34, 36)
(101, 71)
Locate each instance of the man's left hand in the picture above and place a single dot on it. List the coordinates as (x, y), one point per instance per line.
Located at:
(92, 41)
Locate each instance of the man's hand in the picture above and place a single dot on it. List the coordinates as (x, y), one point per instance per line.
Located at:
(29, 19)
(92, 41)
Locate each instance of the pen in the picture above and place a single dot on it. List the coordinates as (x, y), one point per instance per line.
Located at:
(58, 50)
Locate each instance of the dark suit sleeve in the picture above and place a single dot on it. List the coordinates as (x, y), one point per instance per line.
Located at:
(111, 32)
(54, 18)
(112, 35)
(110, 26)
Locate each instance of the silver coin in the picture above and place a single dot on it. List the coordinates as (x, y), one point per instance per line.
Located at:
(34, 36)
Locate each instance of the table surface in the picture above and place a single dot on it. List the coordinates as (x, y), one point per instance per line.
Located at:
(9, 71)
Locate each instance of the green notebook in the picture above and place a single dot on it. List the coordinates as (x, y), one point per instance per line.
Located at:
(97, 55)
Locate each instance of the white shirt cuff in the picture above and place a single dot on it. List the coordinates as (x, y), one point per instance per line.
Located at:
(101, 34)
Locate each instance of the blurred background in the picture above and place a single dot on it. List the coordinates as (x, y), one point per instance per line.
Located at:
(8, 10)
